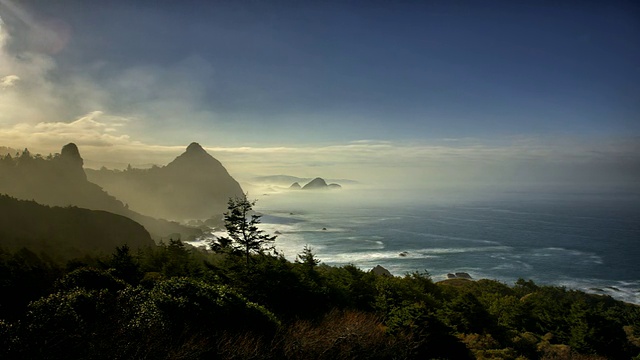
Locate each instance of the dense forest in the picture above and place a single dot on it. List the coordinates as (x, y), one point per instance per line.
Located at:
(174, 301)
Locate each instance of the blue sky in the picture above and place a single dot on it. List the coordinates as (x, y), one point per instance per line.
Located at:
(533, 78)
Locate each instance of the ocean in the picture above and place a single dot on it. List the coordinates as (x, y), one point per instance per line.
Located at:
(589, 242)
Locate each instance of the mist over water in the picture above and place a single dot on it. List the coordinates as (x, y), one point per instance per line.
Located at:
(587, 241)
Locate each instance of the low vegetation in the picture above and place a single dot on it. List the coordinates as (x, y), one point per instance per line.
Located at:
(173, 301)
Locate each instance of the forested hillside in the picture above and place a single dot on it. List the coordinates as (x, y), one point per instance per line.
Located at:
(66, 232)
(59, 180)
(173, 301)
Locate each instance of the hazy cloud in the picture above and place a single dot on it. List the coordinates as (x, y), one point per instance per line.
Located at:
(119, 116)
(35, 91)
(94, 129)
(103, 141)
(462, 162)
(8, 81)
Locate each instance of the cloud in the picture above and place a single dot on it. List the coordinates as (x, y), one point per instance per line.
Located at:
(28, 94)
(8, 81)
(112, 114)
(94, 129)
(49, 35)
(35, 90)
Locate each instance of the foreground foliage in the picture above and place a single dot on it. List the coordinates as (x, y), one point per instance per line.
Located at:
(174, 301)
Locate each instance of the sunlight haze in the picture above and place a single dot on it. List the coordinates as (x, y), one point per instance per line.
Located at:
(411, 95)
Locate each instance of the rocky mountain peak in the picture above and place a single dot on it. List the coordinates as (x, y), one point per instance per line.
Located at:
(71, 154)
(194, 185)
(71, 163)
(195, 148)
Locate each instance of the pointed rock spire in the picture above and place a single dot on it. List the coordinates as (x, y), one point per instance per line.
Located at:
(70, 156)
(194, 148)
(71, 152)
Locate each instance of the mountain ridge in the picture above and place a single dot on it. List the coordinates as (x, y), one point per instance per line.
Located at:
(194, 185)
(60, 180)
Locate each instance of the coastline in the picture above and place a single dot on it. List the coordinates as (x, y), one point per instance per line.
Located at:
(549, 240)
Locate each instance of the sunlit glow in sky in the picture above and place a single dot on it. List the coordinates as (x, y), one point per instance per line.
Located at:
(408, 94)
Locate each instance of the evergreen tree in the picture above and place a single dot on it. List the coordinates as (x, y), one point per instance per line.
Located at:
(308, 258)
(241, 223)
(126, 266)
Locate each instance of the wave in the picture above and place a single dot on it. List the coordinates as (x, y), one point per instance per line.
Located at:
(517, 265)
(549, 242)
(359, 257)
(628, 291)
(445, 237)
(424, 253)
(585, 257)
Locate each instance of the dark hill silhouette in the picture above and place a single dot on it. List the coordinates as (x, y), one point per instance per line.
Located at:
(193, 186)
(59, 180)
(320, 184)
(69, 231)
(317, 183)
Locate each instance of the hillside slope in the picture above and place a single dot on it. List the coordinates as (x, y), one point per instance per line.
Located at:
(66, 231)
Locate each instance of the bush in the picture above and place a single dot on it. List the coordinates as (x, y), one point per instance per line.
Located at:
(340, 335)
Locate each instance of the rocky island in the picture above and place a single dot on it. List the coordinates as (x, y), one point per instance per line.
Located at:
(315, 184)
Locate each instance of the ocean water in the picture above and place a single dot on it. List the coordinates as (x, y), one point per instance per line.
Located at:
(589, 242)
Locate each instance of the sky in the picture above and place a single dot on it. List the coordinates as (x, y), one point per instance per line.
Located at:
(393, 93)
